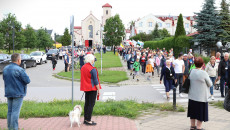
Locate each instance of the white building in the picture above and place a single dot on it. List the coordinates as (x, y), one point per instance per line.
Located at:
(86, 34)
(147, 23)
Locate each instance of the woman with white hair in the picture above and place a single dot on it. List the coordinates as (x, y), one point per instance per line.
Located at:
(212, 69)
(169, 76)
(90, 84)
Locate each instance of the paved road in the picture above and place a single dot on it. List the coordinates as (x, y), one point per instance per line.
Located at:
(45, 87)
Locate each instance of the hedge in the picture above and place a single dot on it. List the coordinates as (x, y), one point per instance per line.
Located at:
(177, 44)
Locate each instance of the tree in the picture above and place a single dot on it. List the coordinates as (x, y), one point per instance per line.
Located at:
(155, 33)
(180, 31)
(164, 33)
(225, 22)
(2, 40)
(43, 39)
(114, 31)
(31, 38)
(66, 38)
(9, 25)
(208, 23)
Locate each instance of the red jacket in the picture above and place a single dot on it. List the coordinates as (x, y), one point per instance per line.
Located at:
(86, 84)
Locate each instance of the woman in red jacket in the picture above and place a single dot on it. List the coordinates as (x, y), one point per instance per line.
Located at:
(90, 84)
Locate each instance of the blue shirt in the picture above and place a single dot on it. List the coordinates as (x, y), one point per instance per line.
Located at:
(66, 57)
(15, 80)
(94, 80)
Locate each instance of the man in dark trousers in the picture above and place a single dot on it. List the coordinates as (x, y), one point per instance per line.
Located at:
(223, 72)
(66, 61)
(114, 49)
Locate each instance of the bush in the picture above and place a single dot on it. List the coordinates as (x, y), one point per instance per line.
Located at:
(177, 44)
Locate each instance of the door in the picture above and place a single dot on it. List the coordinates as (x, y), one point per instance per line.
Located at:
(86, 43)
(90, 43)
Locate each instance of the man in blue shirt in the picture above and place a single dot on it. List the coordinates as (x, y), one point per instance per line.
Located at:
(66, 61)
(15, 80)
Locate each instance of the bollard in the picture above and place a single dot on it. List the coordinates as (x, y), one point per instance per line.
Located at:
(174, 98)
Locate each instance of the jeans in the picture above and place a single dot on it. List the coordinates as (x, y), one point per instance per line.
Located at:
(90, 99)
(143, 67)
(222, 84)
(213, 81)
(179, 77)
(14, 107)
(158, 70)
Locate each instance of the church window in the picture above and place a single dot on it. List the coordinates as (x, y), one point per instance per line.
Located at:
(90, 31)
(107, 12)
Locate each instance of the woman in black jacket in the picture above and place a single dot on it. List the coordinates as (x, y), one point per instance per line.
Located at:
(169, 76)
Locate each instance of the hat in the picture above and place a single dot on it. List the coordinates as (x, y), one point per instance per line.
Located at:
(185, 55)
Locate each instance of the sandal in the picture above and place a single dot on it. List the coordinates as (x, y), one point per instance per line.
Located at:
(193, 128)
(90, 123)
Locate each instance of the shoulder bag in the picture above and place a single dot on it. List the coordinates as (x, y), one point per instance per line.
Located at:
(186, 85)
(227, 101)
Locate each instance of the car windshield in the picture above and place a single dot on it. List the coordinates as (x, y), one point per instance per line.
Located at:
(35, 54)
(23, 56)
(52, 51)
(2, 57)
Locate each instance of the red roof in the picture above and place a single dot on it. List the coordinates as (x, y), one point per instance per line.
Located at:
(192, 34)
(107, 5)
(77, 27)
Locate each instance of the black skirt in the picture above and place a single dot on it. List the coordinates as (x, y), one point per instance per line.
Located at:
(198, 110)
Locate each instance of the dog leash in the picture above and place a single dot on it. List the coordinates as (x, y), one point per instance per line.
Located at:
(82, 96)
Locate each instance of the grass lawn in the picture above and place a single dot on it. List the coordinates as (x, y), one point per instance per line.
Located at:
(20, 51)
(106, 76)
(109, 60)
(219, 104)
(129, 108)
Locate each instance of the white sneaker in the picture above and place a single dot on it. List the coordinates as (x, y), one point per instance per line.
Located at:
(212, 97)
(181, 95)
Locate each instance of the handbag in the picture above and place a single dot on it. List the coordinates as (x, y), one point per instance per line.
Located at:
(186, 85)
(227, 101)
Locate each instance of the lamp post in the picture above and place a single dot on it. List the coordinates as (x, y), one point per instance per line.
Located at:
(55, 40)
(11, 25)
(101, 44)
(219, 45)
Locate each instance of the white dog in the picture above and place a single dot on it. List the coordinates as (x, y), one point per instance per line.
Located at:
(75, 115)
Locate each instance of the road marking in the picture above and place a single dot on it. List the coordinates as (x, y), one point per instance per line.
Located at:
(158, 85)
(161, 89)
(109, 93)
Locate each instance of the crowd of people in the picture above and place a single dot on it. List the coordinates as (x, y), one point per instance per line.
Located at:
(174, 70)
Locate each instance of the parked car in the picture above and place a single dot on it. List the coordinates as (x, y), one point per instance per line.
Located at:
(108, 48)
(4, 61)
(52, 51)
(27, 61)
(39, 56)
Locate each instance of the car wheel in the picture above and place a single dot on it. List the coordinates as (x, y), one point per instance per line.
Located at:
(41, 62)
(24, 65)
(35, 64)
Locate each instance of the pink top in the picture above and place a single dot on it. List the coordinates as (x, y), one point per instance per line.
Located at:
(157, 61)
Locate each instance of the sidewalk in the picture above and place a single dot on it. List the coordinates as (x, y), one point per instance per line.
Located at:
(63, 123)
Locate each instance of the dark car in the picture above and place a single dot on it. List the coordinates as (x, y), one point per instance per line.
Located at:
(52, 51)
(27, 61)
(4, 61)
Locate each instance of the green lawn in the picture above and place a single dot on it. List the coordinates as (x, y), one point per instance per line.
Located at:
(129, 108)
(20, 51)
(106, 76)
(219, 104)
(109, 60)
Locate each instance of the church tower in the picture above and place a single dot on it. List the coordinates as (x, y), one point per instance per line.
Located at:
(106, 13)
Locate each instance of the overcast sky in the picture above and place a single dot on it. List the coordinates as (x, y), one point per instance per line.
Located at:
(55, 14)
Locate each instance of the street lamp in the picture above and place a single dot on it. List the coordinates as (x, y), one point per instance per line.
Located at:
(101, 44)
(220, 46)
(11, 25)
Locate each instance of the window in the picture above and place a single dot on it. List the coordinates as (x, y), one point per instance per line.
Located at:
(107, 12)
(150, 24)
(186, 25)
(90, 31)
(168, 25)
(160, 24)
(140, 24)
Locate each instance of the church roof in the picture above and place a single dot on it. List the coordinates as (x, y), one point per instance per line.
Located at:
(107, 5)
(77, 27)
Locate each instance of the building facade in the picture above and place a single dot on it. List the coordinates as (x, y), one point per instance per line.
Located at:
(147, 24)
(88, 34)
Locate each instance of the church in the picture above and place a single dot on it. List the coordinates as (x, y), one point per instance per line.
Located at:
(88, 34)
